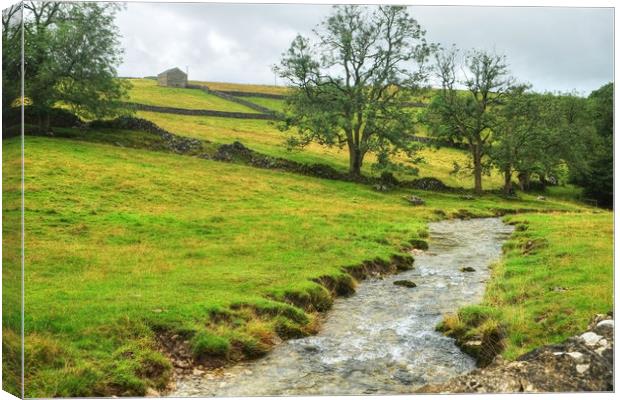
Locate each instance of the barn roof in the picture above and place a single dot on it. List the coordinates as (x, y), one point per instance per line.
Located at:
(175, 69)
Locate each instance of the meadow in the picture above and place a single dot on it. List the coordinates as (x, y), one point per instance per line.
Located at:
(126, 246)
(146, 91)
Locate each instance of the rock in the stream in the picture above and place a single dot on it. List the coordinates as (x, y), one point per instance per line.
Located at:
(467, 269)
(405, 283)
(415, 200)
(580, 363)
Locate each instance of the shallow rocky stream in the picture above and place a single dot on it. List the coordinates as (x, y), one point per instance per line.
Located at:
(381, 340)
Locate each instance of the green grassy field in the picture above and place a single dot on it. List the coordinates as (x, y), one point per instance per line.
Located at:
(241, 87)
(557, 272)
(146, 91)
(272, 104)
(11, 268)
(123, 243)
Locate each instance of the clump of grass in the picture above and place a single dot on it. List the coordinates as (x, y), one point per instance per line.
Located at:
(478, 331)
(288, 329)
(419, 244)
(205, 344)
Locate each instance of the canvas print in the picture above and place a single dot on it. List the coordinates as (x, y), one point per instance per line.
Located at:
(219, 199)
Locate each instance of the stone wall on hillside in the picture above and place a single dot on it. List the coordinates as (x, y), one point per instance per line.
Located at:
(207, 113)
(237, 100)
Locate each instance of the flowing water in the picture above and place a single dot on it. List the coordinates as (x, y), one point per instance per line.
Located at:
(381, 340)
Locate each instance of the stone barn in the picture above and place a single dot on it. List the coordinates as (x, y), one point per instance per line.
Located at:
(172, 77)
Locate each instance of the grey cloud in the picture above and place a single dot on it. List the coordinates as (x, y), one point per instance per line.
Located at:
(552, 48)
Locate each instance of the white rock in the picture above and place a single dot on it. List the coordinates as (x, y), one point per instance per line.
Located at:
(591, 338)
(577, 356)
(606, 322)
(558, 353)
(603, 342)
(581, 368)
(600, 350)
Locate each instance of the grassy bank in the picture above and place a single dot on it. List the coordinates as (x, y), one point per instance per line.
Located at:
(557, 272)
(125, 244)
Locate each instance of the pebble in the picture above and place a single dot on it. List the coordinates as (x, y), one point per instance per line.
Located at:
(150, 392)
(590, 338)
(577, 356)
(581, 368)
(606, 323)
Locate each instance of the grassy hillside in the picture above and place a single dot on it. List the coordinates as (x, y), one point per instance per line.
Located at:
(146, 91)
(263, 136)
(242, 87)
(123, 243)
(272, 104)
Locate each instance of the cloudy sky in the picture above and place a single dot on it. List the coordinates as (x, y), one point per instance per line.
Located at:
(552, 48)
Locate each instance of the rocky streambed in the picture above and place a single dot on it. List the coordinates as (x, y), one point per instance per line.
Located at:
(381, 340)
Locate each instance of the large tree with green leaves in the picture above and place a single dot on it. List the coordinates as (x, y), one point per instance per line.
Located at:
(464, 110)
(11, 55)
(71, 53)
(352, 79)
(518, 135)
(541, 135)
(598, 179)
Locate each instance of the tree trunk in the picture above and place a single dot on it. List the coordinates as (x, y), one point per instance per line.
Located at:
(44, 122)
(477, 156)
(507, 180)
(355, 161)
(524, 181)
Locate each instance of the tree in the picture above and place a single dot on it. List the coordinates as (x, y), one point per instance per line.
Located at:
(351, 82)
(539, 135)
(469, 115)
(11, 56)
(518, 135)
(71, 54)
(598, 181)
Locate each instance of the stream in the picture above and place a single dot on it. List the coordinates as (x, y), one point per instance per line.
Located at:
(381, 340)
